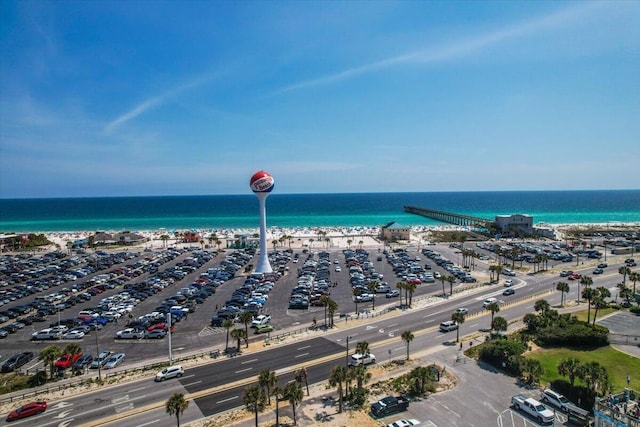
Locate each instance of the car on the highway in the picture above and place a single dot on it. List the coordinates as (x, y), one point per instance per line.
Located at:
(175, 371)
(264, 329)
(462, 310)
(448, 325)
(114, 360)
(598, 271)
(27, 410)
(508, 283)
(392, 293)
(509, 291)
(566, 273)
(602, 265)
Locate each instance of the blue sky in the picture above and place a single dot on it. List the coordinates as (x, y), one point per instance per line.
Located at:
(105, 98)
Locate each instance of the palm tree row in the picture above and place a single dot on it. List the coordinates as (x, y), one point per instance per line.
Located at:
(258, 396)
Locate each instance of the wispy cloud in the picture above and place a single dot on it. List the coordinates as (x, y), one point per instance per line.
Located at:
(155, 101)
(458, 49)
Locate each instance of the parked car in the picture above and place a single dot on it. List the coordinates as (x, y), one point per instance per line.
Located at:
(73, 334)
(558, 400)
(66, 360)
(175, 371)
(260, 320)
(27, 410)
(100, 359)
(82, 363)
(404, 423)
(130, 334)
(114, 360)
(155, 333)
(16, 361)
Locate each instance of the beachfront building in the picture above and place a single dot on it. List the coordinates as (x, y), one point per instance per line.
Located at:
(241, 241)
(102, 238)
(514, 225)
(618, 410)
(191, 237)
(394, 232)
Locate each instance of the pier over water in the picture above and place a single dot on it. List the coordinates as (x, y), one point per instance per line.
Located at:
(451, 218)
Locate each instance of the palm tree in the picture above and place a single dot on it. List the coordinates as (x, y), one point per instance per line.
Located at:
(302, 376)
(72, 349)
(563, 287)
(356, 293)
(634, 277)
(227, 324)
(401, 286)
(570, 367)
(349, 242)
(362, 347)
(459, 318)
(542, 306)
(278, 394)
(494, 308)
(275, 244)
(624, 270)
(443, 279)
(372, 285)
(499, 324)
(599, 300)
(176, 405)
(451, 279)
(584, 281)
(246, 317)
(324, 299)
(596, 377)
(48, 355)
(410, 288)
(588, 293)
(498, 269)
(624, 293)
(164, 239)
(239, 335)
(407, 337)
(337, 377)
(331, 308)
(361, 376)
(293, 392)
(254, 400)
(267, 380)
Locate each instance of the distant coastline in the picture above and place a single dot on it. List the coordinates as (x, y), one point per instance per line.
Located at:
(292, 211)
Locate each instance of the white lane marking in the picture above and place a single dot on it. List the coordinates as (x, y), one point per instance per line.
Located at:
(243, 370)
(188, 376)
(123, 408)
(117, 400)
(303, 347)
(136, 389)
(301, 355)
(249, 361)
(227, 400)
(193, 383)
(391, 325)
(149, 423)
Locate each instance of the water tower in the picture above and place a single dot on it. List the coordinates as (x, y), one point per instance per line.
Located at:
(261, 184)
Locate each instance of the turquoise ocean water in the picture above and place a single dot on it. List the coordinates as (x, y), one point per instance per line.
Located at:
(308, 210)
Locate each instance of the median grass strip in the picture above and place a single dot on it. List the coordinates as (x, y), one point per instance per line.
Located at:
(617, 363)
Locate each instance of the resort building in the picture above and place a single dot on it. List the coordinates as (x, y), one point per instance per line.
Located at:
(393, 232)
(191, 237)
(514, 225)
(123, 238)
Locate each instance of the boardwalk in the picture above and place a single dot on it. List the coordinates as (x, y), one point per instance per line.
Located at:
(451, 218)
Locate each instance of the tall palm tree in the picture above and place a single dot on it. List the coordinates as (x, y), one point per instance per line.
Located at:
(625, 271)
(401, 286)
(542, 306)
(589, 294)
(410, 288)
(599, 300)
(254, 400)
(176, 405)
(494, 308)
(337, 378)
(164, 239)
(372, 285)
(324, 299)
(293, 392)
(584, 281)
(443, 279)
(239, 335)
(451, 279)
(332, 307)
(624, 293)
(302, 376)
(459, 318)
(267, 380)
(356, 293)
(227, 324)
(246, 317)
(563, 287)
(361, 376)
(349, 242)
(278, 394)
(48, 355)
(634, 277)
(72, 349)
(407, 337)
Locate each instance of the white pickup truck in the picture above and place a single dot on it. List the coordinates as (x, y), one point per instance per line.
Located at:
(534, 408)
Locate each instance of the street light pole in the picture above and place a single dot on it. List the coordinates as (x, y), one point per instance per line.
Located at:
(97, 354)
(347, 360)
(169, 326)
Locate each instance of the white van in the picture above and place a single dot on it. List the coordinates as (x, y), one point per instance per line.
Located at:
(447, 326)
(489, 301)
(175, 371)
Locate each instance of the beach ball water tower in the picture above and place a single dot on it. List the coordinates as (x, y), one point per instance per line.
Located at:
(261, 184)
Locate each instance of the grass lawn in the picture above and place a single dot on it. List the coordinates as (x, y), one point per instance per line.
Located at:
(618, 364)
(582, 314)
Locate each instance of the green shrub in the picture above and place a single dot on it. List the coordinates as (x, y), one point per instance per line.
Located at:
(503, 353)
(578, 335)
(635, 310)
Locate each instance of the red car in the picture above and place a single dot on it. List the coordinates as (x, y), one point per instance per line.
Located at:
(27, 410)
(162, 326)
(575, 276)
(66, 360)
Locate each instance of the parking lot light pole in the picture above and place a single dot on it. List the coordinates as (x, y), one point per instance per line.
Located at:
(97, 354)
(348, 350)
(169, 330)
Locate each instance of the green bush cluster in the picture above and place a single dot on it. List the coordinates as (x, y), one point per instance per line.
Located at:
(577, 335)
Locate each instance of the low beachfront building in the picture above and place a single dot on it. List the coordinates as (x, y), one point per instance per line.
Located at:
(618, 410)
(514, 225)
(393, 232)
